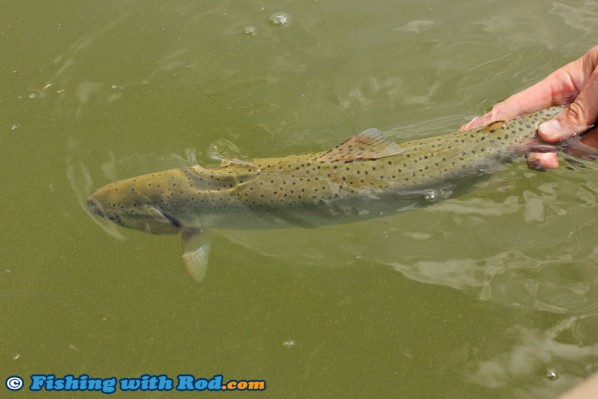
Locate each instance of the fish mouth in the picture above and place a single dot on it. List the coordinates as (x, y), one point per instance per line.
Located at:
(96, 209)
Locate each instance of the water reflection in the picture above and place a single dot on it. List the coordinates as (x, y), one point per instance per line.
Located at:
(496, 243)
(540, 361)
(516, 279)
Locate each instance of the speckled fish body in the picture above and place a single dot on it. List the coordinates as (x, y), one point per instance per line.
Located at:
(364, 176)
(365, 167)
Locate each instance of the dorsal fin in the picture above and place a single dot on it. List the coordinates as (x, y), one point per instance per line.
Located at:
(367, 145)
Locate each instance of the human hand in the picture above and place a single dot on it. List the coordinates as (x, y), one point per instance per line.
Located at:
(575, 83)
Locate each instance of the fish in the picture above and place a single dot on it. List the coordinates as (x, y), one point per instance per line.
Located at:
(365, 176)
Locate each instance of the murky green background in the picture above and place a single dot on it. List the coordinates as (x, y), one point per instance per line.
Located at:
(483, 295)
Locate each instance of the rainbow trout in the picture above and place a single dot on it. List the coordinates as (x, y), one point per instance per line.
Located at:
(364, 176)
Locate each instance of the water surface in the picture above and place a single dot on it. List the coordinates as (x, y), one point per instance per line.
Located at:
(489, 294)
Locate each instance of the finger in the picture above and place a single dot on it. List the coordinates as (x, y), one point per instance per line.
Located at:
(541, 161)
(558, 88)
(577, 117)
(501, 111)
(477, 122)
(539, 96)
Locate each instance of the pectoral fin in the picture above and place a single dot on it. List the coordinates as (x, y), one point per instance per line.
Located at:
(196, 251)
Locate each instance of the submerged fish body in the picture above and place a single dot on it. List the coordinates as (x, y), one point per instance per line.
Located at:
(364, 176)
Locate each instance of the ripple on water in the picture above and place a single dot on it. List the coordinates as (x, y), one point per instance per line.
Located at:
(279, 19)
(250, 30)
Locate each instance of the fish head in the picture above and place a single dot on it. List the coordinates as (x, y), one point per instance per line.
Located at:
(121, 204)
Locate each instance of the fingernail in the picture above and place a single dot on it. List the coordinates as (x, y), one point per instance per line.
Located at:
(550, 129)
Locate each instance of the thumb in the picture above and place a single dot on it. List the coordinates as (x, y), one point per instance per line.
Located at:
(574, 119)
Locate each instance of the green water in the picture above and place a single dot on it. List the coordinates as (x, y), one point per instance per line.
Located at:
(482, 295)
